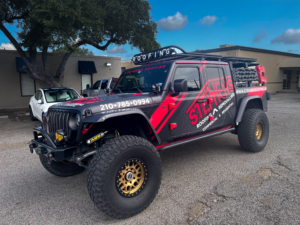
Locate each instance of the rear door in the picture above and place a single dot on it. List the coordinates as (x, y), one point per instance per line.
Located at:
(220, 96)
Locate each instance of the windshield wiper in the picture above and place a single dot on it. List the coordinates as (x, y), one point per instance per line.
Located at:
(137, 88)
(120, 90)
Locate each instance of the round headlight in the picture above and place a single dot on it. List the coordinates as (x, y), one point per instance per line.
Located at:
(74, 121)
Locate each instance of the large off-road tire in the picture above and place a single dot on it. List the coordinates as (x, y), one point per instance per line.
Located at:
(124, 176)
(61, 169)
(32, 118)
(253, 131)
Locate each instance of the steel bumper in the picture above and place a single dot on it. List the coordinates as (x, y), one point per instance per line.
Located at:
(42, 144)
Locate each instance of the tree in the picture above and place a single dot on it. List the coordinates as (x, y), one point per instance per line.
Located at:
(47, 25)
(78, 51)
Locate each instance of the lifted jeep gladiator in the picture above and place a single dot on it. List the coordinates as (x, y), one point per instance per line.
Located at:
(172, 98)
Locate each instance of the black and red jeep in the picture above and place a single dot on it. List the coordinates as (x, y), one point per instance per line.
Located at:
(172, 98)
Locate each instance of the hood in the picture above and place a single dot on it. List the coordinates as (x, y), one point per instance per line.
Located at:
(105, 103)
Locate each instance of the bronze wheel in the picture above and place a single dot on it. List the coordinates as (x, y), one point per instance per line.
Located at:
(131, 178)
(259, 131)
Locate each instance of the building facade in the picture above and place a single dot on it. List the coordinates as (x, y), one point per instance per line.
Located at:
(282, 68)
(16, 87)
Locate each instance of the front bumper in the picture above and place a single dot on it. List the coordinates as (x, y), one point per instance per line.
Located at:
(42, 144)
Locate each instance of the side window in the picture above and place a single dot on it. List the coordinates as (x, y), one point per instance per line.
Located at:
(191, 75)
(216, 74)
(96, 85)
(104, 84)
(38, 95)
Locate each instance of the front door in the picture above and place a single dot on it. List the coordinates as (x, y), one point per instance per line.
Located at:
(287, 76)
(185, 118)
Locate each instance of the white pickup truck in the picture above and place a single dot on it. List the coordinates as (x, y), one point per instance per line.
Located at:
(100, 87)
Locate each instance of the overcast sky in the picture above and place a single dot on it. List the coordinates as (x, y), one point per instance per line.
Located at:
(192, 25)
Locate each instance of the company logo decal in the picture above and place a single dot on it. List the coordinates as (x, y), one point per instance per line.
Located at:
(209, 102)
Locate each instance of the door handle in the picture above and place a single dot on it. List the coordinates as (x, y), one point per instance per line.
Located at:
(202, 100)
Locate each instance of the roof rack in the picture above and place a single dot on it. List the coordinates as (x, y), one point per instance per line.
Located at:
(169, 53)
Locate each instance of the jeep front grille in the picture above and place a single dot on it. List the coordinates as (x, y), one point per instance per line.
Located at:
(58, 120)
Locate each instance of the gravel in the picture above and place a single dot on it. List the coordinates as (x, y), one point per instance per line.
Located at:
(211, 181)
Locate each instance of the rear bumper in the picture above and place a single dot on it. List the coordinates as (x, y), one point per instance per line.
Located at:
(42, 144)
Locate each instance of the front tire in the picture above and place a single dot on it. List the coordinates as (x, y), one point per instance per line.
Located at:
(61, 169)
(253, 131)
(124, 176)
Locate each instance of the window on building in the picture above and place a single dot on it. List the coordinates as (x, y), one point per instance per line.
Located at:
(217, 74)
(123, 69)
(27, 85)
(86, 79)
(191, 75)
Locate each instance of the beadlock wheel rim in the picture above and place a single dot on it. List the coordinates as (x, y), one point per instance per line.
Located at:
(131, 178)
(259, 131)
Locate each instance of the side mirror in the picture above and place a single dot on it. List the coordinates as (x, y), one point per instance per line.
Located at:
(155, 88)
(107, 90)
(40, 101)
(87, 86)
(180, 85)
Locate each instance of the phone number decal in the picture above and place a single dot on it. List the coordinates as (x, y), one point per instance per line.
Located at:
(143, 101)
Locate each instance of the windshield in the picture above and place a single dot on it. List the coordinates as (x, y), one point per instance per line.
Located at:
(142, 78)
(60, 95)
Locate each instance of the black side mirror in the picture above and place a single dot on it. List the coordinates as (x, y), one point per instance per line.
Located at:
(155, 88)
(180, 85)
(107, 90)
(87, 86)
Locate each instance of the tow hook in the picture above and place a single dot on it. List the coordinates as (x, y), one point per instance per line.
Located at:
(40, 150)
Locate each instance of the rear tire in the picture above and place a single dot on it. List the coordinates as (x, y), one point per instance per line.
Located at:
(109, 181)
(61, 169)
(253, 131)
(32, 118)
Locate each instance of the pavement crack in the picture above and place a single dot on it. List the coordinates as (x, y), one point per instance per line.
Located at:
(282, 165)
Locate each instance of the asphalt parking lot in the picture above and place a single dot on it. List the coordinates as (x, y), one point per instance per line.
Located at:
(210, 181)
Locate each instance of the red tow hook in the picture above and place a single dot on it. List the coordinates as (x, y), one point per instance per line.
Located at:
(84, 130)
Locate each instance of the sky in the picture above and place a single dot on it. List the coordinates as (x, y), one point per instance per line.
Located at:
(191, 25)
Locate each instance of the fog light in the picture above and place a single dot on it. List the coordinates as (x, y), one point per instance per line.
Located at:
(59, 137)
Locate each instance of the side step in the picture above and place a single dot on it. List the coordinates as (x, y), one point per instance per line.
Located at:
(195, 138)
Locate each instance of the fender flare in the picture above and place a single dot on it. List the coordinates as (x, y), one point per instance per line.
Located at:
(101, 117)
(243, 106)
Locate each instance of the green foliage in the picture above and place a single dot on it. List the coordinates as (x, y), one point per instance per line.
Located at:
(65, 25)
(58, 23)
(78, 51)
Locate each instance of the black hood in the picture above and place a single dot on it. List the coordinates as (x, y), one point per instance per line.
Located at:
(106, 103)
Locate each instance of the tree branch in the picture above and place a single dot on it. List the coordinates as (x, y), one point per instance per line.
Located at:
(61, 69)
(16, 44)
(102, 48)
(45, 58)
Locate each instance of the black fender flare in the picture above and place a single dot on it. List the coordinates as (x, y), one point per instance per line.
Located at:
(243, 106)
(101, 117)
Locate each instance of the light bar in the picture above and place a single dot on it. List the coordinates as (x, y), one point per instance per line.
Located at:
(155, 54)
